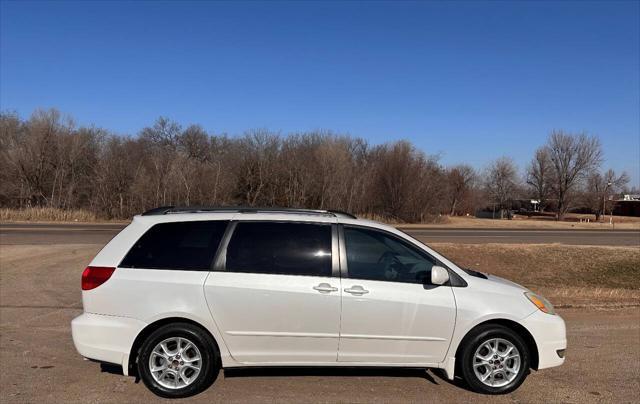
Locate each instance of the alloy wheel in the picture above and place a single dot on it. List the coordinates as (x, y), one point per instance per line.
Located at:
(496, 362)
(175, 363)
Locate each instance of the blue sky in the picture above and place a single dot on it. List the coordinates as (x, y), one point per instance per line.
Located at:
(468, 80)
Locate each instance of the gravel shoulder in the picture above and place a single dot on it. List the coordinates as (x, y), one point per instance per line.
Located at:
(40, 294)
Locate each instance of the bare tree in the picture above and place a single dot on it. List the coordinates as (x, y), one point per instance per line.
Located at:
(46, 161)
(573, 158)
(600, 187)
(11, 131)
(460, 180)
(539, 176)
(259, 151)
(115, 173)
(501, 182)
(161, 143)
(406, 184)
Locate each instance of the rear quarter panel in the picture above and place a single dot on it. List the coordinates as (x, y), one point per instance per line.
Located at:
(149, 295)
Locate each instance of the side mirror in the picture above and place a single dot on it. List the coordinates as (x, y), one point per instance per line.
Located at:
(439, 275)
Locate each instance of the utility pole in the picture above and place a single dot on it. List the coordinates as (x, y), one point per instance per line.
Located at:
(604, 204)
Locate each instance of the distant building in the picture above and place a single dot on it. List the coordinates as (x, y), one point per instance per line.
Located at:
(628, 205)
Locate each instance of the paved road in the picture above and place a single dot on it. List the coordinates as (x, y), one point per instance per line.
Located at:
(38, 233)
(529, 236)
(58, 233)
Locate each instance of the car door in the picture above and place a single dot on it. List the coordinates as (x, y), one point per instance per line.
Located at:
(277, 301)
(390, 312)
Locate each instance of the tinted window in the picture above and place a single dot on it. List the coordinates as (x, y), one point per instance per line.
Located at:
(280, 248)
(179, 245)
(378, 256)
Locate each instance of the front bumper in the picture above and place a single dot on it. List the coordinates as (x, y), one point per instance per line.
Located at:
(105, 338)
(550, 335)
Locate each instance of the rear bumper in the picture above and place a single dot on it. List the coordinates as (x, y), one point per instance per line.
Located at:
(550, 334)
(105, 338)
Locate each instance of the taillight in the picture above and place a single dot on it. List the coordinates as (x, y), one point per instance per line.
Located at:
(92, 277)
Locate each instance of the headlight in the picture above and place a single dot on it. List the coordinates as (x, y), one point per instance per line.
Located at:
(540, 302)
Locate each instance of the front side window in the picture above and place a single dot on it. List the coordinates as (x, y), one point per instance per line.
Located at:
(378, 256)
(177, 245)
(280, 248)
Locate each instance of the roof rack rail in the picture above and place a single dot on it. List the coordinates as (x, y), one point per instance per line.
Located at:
(342, 213)
(163, 210)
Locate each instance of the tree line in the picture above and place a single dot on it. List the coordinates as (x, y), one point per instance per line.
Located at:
(47, 161)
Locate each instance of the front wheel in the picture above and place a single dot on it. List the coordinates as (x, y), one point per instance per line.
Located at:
(495, 360)
(178, 360)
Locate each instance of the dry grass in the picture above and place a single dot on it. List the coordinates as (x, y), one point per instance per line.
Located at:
(566, 274)
(440, 221)
(620, 222)
(579, 297)
(46, 215)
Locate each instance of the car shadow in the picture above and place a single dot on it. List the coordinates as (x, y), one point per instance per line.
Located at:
(433, 376)
(457, 380)
(330, 372)
(111, 368)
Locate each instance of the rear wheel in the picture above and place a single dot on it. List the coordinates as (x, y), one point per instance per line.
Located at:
(178, 360)
(494, 360)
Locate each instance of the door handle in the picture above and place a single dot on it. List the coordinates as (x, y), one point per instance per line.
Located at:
(356, 290)
(325, 288)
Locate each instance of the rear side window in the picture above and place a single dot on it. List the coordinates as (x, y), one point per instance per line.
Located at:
(280, 248)
(178, 245)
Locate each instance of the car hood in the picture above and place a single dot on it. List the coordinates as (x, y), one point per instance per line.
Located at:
(505, 283)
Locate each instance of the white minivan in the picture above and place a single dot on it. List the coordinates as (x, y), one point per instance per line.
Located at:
(183, 292)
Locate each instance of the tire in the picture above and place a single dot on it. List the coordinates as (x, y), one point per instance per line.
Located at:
(492, 342)
(172, 351)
